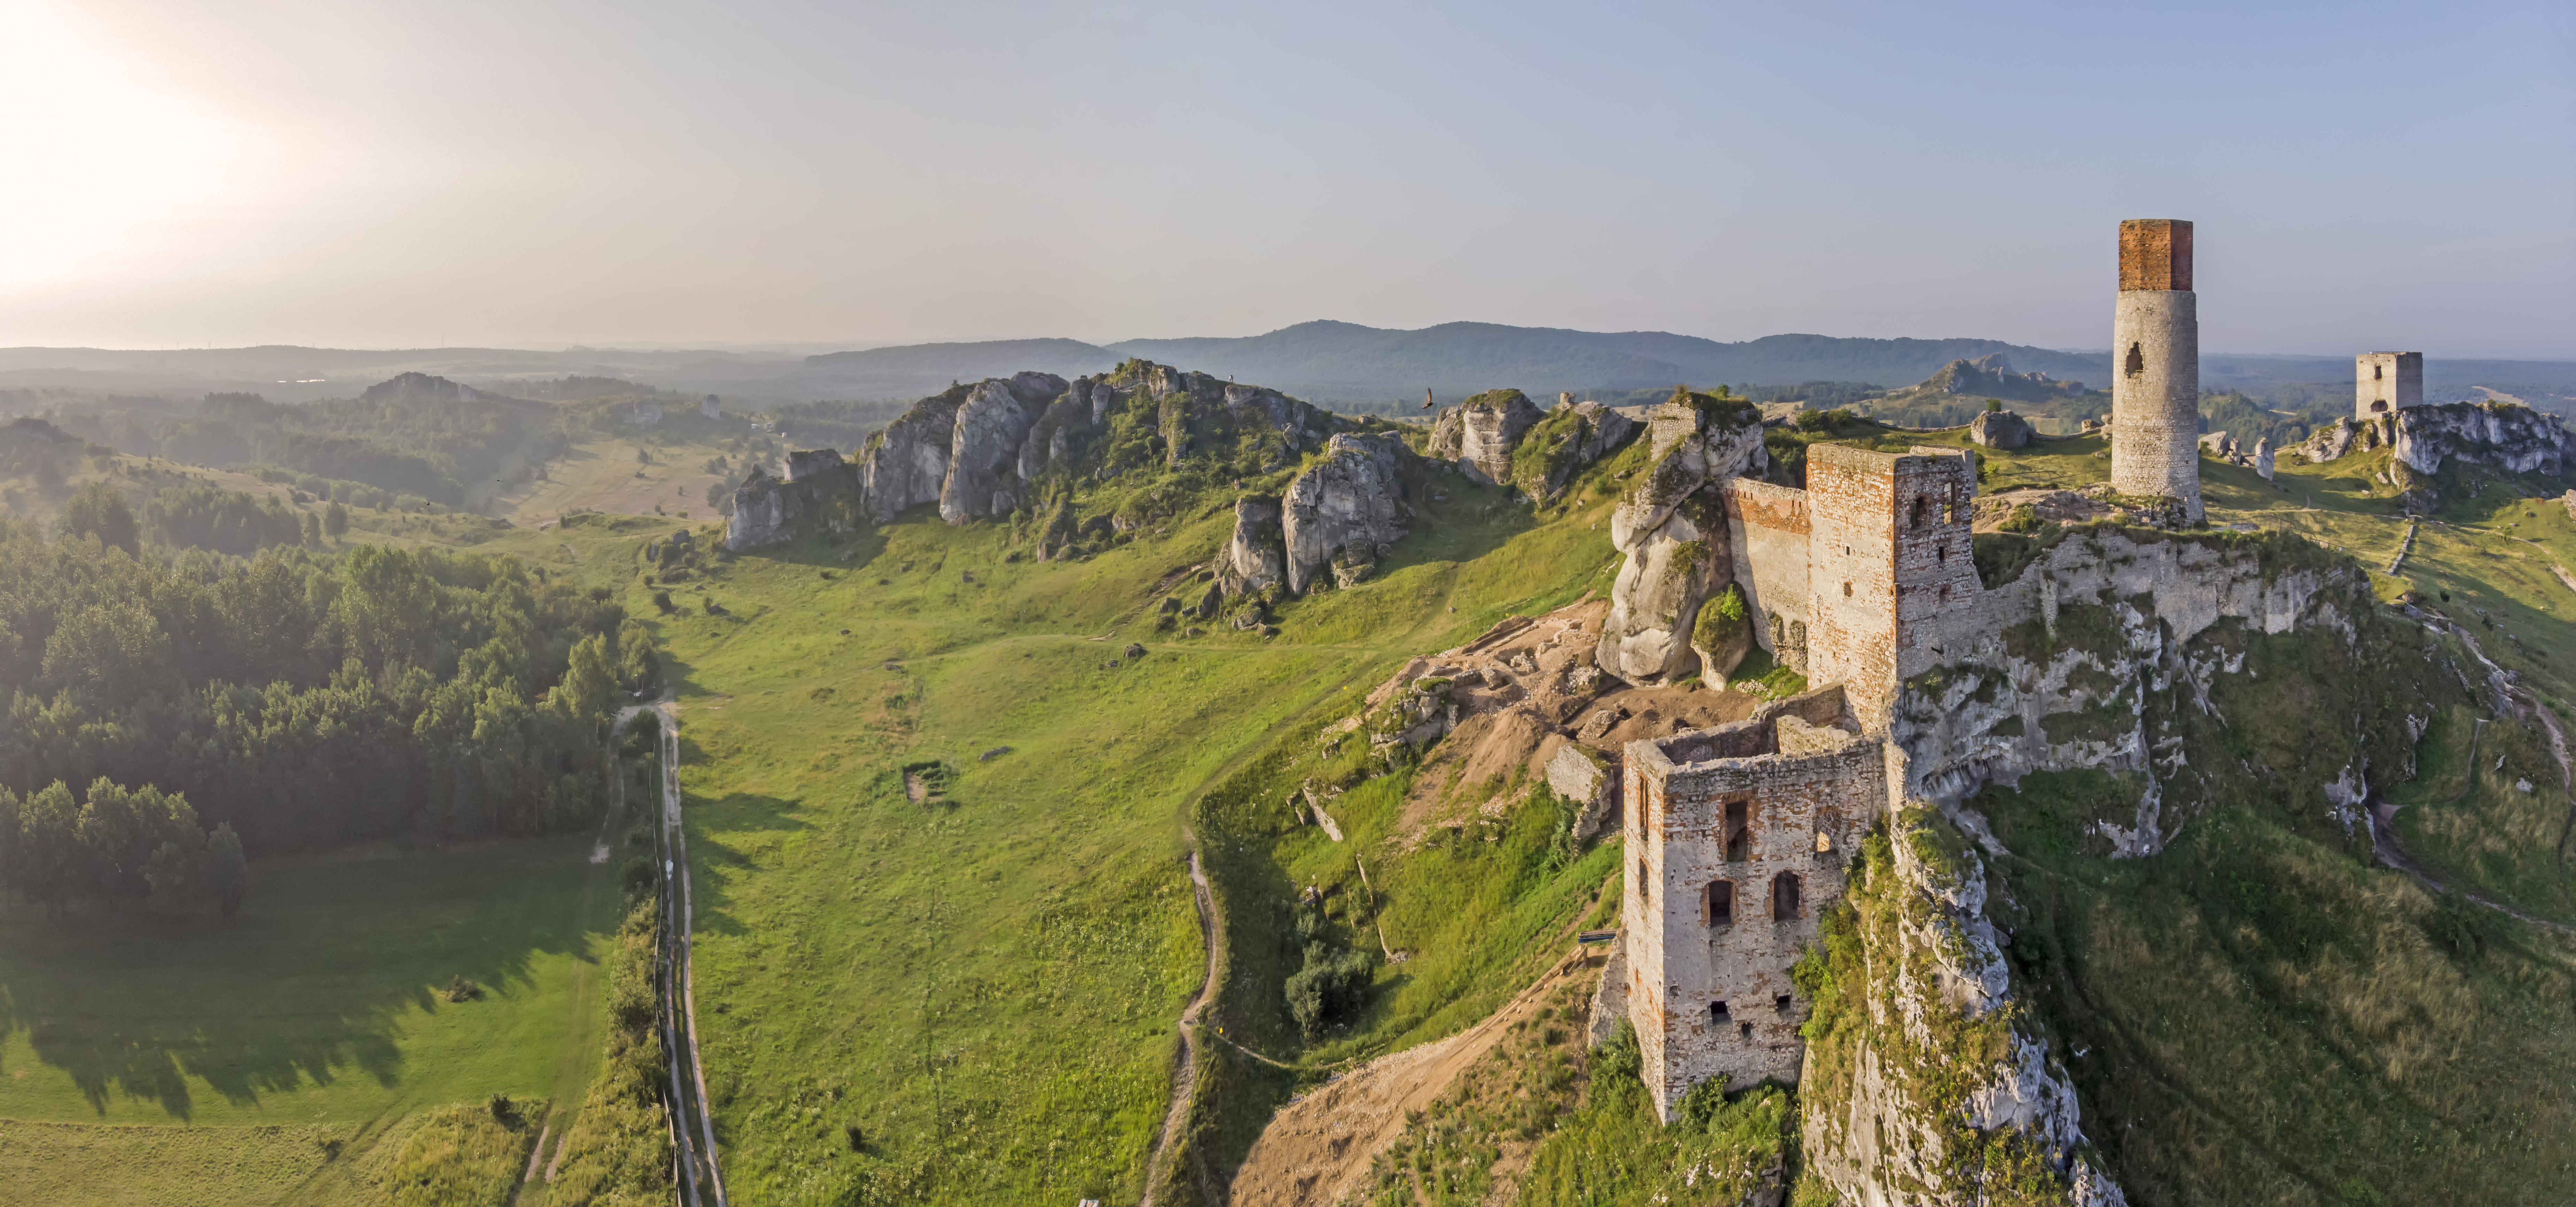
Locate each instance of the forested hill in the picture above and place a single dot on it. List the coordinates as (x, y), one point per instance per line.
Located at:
(1341, 362)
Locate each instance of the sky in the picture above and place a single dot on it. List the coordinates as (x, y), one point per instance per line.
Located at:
(352, 174)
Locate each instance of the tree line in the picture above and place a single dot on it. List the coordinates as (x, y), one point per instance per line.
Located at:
(121, 844)
(293, 700)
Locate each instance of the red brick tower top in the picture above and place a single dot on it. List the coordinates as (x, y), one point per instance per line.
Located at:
(2155, 254)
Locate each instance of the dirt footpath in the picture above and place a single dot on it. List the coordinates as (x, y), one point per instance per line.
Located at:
(1317, 1150)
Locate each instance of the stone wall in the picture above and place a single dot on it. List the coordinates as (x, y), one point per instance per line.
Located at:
(1888, 554)
(1738, 846)
(2386, 382)
(1766, 529)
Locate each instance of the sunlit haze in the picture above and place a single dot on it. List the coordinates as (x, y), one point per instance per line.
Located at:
(534, 175)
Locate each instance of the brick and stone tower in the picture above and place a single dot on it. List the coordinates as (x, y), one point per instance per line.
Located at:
(2385, 382)
(2155, 366)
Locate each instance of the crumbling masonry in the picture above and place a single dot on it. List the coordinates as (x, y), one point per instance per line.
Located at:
(1737, 836)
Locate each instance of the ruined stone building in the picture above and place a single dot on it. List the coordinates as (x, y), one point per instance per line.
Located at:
(2155, 371)
(2386, 382)
(1864, 582)
(1738, 834)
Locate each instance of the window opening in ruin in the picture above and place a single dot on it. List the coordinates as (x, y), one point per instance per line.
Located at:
(2137, 360)
(1847, 590)
(1916, 520)
(1784, 896)
(2379, 406)
(1717, 1012)
(1721, 903)
(2374, 373)
(1642, 894)
(1739, 831)
(1784, 1003)
(1745, 1030)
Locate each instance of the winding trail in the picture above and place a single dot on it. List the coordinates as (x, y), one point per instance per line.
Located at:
(1185, 1072)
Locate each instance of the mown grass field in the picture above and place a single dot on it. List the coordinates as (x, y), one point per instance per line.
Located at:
(191, 1059)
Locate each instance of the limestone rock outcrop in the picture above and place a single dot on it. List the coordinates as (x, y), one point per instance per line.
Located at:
(1479, 434)
(984, 446)
(1254, 559)
(1342, 514)
(2503, 435)
(905, 465)
(1889, 1114)
(2000, 429)
(1673, 531)
(2263, 458)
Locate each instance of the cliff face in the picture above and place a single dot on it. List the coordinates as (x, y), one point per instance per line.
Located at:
(2136, 645)
(1923, 1083)
(906, 464)
(1480, 433)
(1341, 514)
(984, 445)
(1572, 436)
(1254, 559)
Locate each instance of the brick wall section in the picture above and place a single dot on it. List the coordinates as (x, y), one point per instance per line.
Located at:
(2155, 254)
(1767, 535)
(1888, 554)
(1682, 961)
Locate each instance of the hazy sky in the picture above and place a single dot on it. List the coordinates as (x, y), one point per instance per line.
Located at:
(536, 173)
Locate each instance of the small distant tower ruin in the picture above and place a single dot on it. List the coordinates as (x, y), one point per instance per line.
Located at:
(712, 408)
(2384, 383)
(2155, 370)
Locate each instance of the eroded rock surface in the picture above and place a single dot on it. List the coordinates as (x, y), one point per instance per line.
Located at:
(1673, 530)
(1479, 434)
(1255, 558)
(904, 465)
(1890, 1114)
(1341, 515)
(984, 446)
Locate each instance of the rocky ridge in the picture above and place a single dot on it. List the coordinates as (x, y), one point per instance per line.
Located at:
(1005, 446)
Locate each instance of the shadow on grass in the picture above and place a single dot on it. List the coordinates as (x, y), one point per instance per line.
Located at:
(714, 864)
(307, 985)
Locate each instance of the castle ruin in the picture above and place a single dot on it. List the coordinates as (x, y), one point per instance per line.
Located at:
(1739, 833)
(2384, 383)
(2155, 374)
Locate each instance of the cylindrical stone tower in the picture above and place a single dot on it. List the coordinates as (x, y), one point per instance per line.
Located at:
(2155, 366)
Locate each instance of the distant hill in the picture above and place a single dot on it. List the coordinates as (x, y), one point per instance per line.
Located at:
(1337, 361)
(1326, 361)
